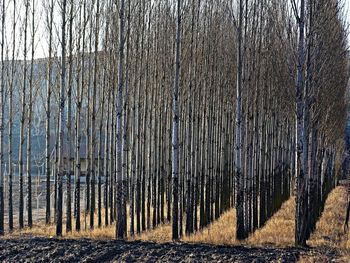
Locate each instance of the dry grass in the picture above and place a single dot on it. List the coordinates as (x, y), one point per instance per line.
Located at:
(279, 230)
(213, 234)
(40, 229)
(330, 228)
(220, 232)
(160, 234)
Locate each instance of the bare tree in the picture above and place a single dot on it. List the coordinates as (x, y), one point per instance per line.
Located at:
(239, 176)
(29, 125)
(50, 11)
(301, 202)
(175, 145)
(2, 102)
(69, 120)
(120, 234)
(11, 113)
(61, 122)
(23, 109)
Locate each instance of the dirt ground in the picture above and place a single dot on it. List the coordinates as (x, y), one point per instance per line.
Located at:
(272, 243)
(34, 249)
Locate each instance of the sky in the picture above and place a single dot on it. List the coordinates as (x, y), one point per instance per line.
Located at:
(347, 2)
(41, 36)
(347, 12)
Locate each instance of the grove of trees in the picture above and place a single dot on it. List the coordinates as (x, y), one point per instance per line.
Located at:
(160, 111)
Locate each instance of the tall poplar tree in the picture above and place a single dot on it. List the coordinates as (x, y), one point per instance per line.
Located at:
(175, 130)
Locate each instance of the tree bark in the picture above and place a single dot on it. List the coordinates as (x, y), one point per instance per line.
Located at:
(119, 110)
(175, 144)
(61, 171)
(240, 233)
(301, 201)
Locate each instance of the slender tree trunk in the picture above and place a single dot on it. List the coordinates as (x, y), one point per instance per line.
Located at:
(10, 136)
(301, 202)
(175, 144)
(88, 144)
(21, 146)
(189, 171)
(61, 123)
(119, 146)
(2, 99)
(93, 121)
(111, 157)
(56, 167)
(48, 118)
(69, 122)
(106, 160)
(240, 181)
(77, 161)
(29, 128)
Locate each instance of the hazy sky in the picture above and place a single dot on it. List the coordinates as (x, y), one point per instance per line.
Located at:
(41, 36)
(347, 2)
(347, 12)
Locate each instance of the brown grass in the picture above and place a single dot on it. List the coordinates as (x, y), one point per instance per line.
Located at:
(278, 231)
(160, 234)
(42, 230)
(220, 232)
(330, 228)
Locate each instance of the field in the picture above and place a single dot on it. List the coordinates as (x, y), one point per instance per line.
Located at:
(272, 243)
(174, 131)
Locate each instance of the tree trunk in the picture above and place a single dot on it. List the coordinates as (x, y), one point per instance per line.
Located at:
(175, 144)
(10, 138)
(61, 123)
(23, 108)
(48, 117)
(69, 123)
(2, 117)
(240, 233)
(119, 146)
(301, 201)
(29, 129)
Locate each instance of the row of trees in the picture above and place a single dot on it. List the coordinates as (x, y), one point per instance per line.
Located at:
(175, 110)
(320, 105)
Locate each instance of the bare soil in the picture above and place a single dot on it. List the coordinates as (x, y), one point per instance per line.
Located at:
(35, 249)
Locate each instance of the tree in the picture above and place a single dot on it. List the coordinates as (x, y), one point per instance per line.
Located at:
(50, 10)
(175, 145)
(29, 125)
(79, 99)
(10, 136)
(61, 122)
(301, 202)
(23, 109)
(120, 234)
(93, 121)
(69, 120)
(239, 176)
(2, 102)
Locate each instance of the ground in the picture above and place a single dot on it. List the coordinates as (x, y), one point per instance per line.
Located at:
(87, 250)
(272, 243)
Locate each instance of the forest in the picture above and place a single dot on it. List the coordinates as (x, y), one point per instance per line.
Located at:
(121, 118)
